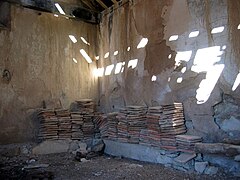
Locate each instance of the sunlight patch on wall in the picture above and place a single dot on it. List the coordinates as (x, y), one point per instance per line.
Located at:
(85, 41)
(169, 56)
(184, 69)
(179, 80)
(115, 53)
(109, 69)
(154, 78)
(207, 85)
(106, 55)
(173, 38)
(182, 56)
(59, 8)
(133, 63)
(99, 72)
(129, 48)
(238, 26)
(73, 39)
(205, 58)
(85, 55)
(74, 60)
(142, 43)
(118, 67)
(193, 34)
(217, 30)
(236, 83)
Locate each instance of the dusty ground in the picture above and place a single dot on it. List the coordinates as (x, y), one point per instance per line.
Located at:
(63, 166)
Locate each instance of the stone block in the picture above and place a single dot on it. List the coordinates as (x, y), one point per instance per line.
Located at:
(185, 157)
(200, 166)
(136, 151)
(52, 147)
(73, 146)
(211, 170)
(237, 158)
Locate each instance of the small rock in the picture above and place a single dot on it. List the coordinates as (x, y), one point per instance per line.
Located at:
(84, 160)
(73, 146)
(99, 147)
(211, 170)
(25, 150)
(135, 165)
(237, 158)
(36, 166)
(97, 173)
(200, 166)
(199, 157)
(88, 149)
(31, 161)
(82, 146)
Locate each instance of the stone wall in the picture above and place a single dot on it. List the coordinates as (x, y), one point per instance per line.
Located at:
(201, 71)
(38, 54)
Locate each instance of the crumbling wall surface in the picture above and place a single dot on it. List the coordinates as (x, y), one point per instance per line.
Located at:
(202, 70)
(36, 65)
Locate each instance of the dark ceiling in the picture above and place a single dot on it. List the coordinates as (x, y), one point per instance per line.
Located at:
(86, 10)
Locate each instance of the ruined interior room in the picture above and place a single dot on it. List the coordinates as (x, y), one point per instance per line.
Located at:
(119, 89)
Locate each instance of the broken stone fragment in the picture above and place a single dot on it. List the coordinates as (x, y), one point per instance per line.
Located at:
(211, 170)
(200, 166)
(99, 147)
(237, 158)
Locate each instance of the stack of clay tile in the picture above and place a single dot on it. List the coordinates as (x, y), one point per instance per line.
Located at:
(103, 126)
(136, 116)
(122, 126)
(112, 126)
(77, 122)
(186, 143)
(144, 137)
(86, 108)
(172, 121)
(97, 121)
(153, 116)
(48, 125)
(65, 126)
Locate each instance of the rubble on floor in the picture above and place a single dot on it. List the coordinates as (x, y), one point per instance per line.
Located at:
(64, 166)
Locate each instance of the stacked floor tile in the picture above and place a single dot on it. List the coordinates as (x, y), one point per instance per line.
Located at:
(136, 117)
(172, 121)
(186, 143)
(48, 125)
(77, 123)
(153, 128)
(97, 120)
(122, 126)
(112, 126)
(103, 126)
(86, 108)
(65, 124)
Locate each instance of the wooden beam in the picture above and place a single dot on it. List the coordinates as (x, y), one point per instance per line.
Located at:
(115, 1)
(102, 4)
(88, 4)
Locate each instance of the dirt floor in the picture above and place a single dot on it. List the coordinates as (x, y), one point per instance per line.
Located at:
(65, 167)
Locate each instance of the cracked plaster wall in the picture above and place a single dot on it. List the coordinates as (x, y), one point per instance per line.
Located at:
(157, 21)
(38, 53)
